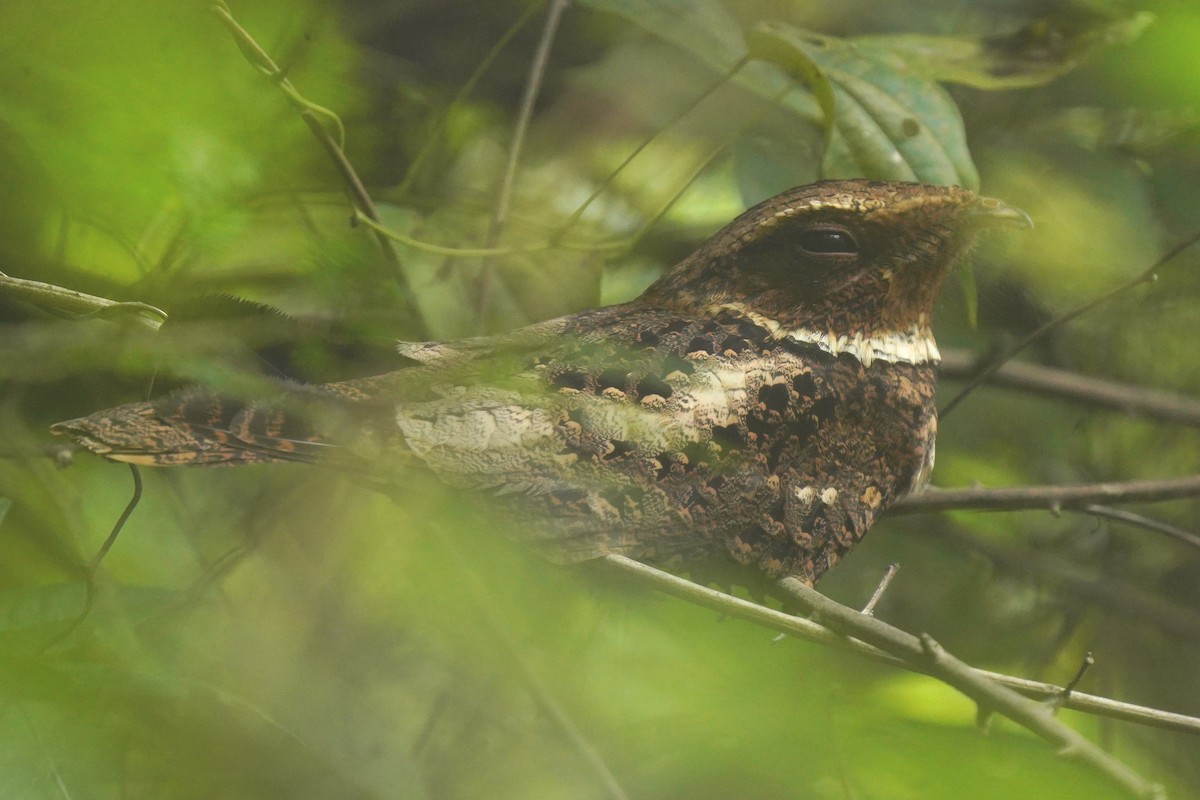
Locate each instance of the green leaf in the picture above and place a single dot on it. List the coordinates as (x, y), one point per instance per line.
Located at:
(5, 505)
(888, 121)
(765, 45)
(878, 96)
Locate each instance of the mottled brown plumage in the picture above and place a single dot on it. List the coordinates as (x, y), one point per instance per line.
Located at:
(768, 397)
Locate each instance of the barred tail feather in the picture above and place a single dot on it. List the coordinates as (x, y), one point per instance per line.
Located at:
(192, 428)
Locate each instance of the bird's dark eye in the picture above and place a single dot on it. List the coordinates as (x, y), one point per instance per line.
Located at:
(828, 241)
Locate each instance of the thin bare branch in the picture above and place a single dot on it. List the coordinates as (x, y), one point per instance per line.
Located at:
(814, 632)
(1141, 521)
(698, 170)
(533, 87)
(1119, 598)
(1053, 498)
(1093, 499)
(1148, 275)
(435, 135)
(611, 178)
(1050, 382)
(1086, 664)
(884, 583)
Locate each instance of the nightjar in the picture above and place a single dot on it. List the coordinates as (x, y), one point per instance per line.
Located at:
(767, 398)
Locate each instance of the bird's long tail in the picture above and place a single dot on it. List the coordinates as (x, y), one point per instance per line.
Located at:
(199, 427)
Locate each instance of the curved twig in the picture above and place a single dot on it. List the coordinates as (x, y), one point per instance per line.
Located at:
(93, 564)
(1142, 521)
(1050, 382)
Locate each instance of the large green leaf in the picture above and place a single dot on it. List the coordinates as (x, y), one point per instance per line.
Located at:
(884, 112)
(882, 119)
(887, 121)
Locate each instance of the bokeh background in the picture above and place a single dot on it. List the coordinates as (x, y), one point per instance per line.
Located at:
(283, 631)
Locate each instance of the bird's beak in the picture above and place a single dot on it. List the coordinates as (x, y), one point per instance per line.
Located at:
(989, 211)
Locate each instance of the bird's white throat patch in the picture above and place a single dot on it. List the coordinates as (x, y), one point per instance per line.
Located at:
(912, 346)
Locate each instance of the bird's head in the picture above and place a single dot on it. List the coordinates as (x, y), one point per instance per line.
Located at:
(839, 262)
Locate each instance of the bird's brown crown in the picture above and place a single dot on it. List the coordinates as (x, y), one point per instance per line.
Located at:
(851, 266)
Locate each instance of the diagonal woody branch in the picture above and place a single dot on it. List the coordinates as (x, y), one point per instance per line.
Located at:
(1053, 498)
(882, 642)
(1138, 401)
(929, 657)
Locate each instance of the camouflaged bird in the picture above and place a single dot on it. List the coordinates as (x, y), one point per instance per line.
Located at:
(768, 397)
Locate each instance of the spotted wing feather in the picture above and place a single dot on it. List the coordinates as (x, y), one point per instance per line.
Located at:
(638, 431)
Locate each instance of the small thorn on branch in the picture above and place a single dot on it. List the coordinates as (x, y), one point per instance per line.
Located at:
(931, 648)
(1069, 751)
(983, 716)
(1062, 697)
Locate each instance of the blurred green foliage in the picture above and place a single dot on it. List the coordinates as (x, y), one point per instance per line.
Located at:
(284, 632)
